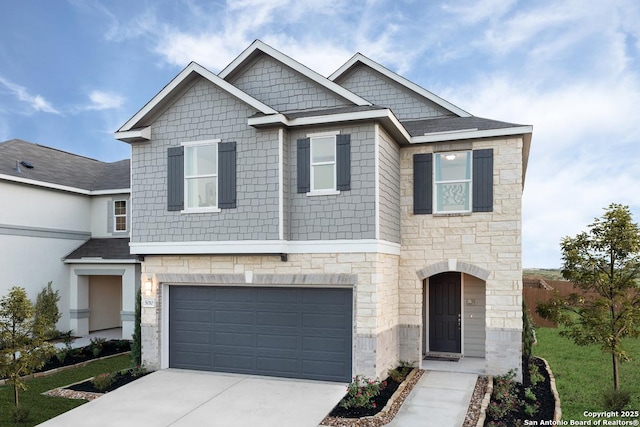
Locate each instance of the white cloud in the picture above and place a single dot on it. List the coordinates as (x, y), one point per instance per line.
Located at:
(477, 11)
(35, 102)
(104, 100)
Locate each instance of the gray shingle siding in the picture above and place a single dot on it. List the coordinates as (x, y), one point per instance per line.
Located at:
(380, 90)
(349, 215)
(389, 188)
(206, 112)
(282, 88)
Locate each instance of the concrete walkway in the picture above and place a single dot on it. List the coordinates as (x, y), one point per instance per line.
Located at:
(439, 399)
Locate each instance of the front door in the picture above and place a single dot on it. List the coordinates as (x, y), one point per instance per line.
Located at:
(444, 313)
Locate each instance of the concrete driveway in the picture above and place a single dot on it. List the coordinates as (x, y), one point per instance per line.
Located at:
(181, 398)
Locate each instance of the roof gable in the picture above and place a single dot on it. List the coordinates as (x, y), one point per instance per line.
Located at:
(60, 168)
(258, 47)
(173, 91)
(361, 60)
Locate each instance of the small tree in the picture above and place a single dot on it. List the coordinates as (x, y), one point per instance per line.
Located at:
(136, 343)
(605, 261)
(23, 348)
(47, 313)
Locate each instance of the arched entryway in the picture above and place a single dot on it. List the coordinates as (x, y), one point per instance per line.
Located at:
(453, 310)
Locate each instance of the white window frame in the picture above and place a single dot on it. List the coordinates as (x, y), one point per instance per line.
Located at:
(436, 182)
(330, 191)
(196, 209)
(116, 216)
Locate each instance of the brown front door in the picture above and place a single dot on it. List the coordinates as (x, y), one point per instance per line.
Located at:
(444, 313)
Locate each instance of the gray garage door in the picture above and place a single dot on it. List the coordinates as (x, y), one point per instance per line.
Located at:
(284, 332)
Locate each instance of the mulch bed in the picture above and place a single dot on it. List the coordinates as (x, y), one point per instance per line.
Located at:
(85, 390)
(544, 397)
(384, 413)
(84, 354)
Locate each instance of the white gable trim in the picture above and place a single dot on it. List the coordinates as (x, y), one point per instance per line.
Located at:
(136, 135)
(383, 114)
(175, 83)
(291, 63)
(66, 188)
(471, 134)
(358, 57)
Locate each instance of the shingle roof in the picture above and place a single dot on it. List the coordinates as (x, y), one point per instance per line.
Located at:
(451, 124)
(59, 167)
(103, 248)
(325, 111)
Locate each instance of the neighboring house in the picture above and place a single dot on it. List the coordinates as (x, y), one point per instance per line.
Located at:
(66, 219)
(309, 227)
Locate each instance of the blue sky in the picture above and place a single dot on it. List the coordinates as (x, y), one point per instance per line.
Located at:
(72, 72)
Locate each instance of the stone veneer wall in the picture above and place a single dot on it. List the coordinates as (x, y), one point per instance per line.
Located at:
(480, 242)
(373, 276)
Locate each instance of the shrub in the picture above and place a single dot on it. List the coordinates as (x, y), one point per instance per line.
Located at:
(505, 396)
(137, 371)
(528, 334)
(361, 391)
(95, 347)
(400, 373)
(615, 400)
(20, 414)
(102, 381)
(534, 374)
(46, 310)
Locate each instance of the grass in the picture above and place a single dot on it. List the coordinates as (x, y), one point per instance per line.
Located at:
(583, 373)
(46, 407)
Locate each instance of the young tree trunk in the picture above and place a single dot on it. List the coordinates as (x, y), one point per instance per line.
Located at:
(15, 394)
(616, 384)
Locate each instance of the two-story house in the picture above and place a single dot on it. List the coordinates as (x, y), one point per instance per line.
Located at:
(66, 220)
(301, 226)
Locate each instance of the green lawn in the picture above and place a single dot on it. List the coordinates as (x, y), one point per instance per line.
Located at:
(582, 373)
(46, 407)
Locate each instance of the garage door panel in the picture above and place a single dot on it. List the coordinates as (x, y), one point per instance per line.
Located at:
(234, 317)
(277, 296)
(233, 339)
(325, 344)
(289, 332)
(324, 321)
(278, 342)
(277, 318)
(233, 363)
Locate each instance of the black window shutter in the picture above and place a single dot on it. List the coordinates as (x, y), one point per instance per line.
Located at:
(227, 175)
(483, 180)
(175, 178)
(422, 183)
(343, 162)
(304, 165)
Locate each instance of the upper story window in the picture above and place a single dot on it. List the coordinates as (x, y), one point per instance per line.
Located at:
(201, 175)
(456, 182)
(323, 163)
(452, 182)
(120, 215)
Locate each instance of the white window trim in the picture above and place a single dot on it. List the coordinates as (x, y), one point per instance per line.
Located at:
(435, 184)
(115, 216)
(213, 209)
(329, 191)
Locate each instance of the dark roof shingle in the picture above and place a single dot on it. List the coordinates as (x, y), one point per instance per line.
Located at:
(451, 124)
(59, 167)
(117, 248)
